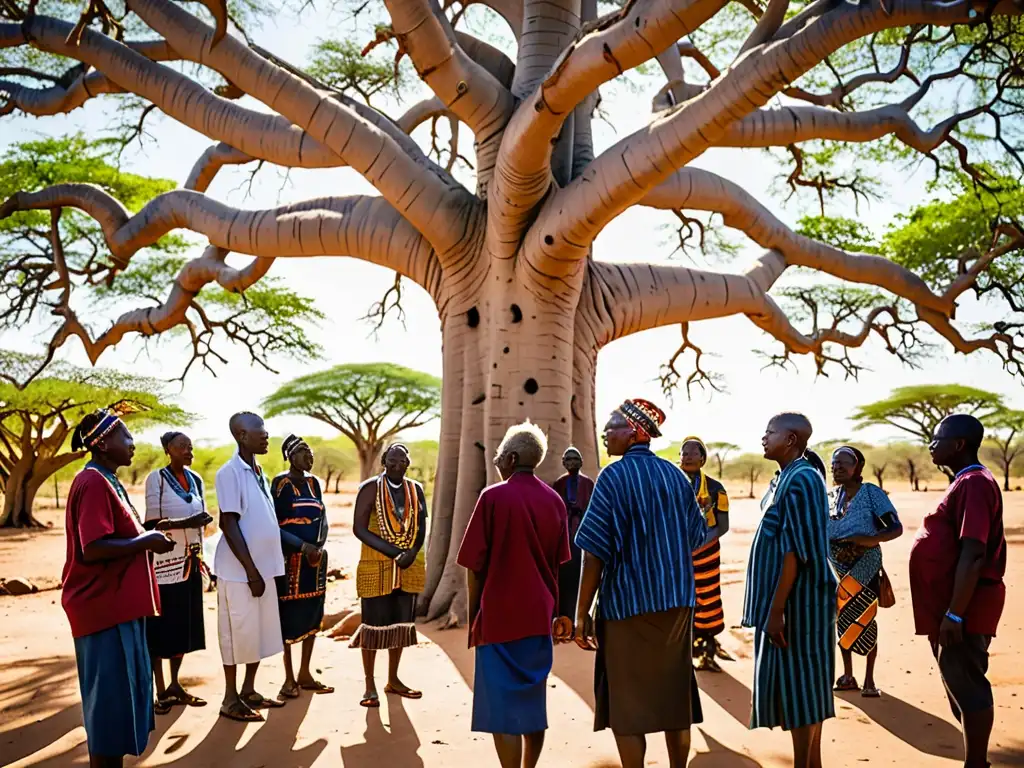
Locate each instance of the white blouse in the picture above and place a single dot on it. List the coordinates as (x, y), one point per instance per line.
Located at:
(167, 500)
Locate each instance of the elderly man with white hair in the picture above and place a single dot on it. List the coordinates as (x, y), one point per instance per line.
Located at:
(513, 547)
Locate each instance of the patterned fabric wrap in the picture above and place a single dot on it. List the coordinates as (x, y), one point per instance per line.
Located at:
(709, 616)
(377, 574)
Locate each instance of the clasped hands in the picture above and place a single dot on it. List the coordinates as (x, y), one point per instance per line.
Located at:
(564, 631)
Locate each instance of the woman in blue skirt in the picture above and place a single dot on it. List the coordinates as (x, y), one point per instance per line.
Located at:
(513, 547)
(109, 590)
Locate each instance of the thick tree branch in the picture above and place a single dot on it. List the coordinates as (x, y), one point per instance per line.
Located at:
(571, 219)
(769, 23)
(606, 49)
(368, 228)
(466, 87)
(436, 206)
(211, 161)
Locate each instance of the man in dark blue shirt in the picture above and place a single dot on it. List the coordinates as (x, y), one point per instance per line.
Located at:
(638, 535)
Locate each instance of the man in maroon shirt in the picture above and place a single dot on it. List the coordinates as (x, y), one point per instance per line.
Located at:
(956, 579)
(514, 544)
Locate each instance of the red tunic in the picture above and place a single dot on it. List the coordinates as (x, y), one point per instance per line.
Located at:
(516, 540)
(100, 595)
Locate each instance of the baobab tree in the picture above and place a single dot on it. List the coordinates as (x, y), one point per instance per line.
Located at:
(523, 306)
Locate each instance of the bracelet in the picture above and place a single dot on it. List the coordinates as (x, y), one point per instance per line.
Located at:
(954, 618)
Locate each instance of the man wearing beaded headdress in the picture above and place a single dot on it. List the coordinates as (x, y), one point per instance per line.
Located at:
(390, 521)
(109, 589)
(709, 618)
(575, 488)
(638, 535)
(302, 591)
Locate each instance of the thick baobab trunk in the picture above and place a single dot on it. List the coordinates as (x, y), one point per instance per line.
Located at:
(507, 359)
(369, 459)
(23, 484)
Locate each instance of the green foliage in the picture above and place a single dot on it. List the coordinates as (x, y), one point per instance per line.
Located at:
(917, 410)
(341, 65)
(365, 402)
(847, 234)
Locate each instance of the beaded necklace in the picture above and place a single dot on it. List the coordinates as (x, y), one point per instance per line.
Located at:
(116, 487)
(401, 532)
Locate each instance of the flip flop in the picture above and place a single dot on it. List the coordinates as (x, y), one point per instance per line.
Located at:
(287, 692)
(241, 714)
(185, 699)
(407, 693)
(871, 693)
(846, 683)
(258, 701)
(370, 702)
(316, 687)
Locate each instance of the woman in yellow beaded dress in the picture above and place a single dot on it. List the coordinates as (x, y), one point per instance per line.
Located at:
(390, 521)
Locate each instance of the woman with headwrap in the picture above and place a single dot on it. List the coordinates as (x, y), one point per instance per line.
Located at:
(108, 591)
(175, 505)
(390, 520)
(708, 617)
(862, 517)
(302, 591)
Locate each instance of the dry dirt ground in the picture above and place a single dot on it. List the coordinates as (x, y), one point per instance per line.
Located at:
(40, 715)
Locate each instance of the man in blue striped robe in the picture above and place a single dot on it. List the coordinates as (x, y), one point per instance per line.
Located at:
(790, 598)
(638, 535)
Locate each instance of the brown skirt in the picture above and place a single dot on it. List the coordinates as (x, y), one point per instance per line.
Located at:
(643, 677)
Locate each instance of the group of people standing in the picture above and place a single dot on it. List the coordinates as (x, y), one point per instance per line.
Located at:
(628, 567)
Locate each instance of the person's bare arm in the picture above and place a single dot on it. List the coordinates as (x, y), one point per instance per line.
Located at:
(361, 523)
(590, 581)
(777, 615)
(230, 526)
(968, 571)
(475, 590)
(114, 549)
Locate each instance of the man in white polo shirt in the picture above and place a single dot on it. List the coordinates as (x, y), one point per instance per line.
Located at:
(248, 558)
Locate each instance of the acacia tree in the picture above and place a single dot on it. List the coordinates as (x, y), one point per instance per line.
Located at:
(750, 467)
(523, 306)
(1005, 444)
(36, 423)
(369, 403)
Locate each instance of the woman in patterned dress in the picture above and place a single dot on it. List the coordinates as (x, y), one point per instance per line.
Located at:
(862, 518)
(708, 617)
(302, 591)
(390, 520)
(175, 505)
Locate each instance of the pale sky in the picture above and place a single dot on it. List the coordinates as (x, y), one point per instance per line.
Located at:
(344, 288)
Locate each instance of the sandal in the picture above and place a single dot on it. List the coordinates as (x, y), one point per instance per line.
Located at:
(289, 692)
(405, 693)
(258, 701)
(871, 693)
(846, 683)
(185, 699)
(161, 707)
(316, 687)
(241, 714)
(370, 702)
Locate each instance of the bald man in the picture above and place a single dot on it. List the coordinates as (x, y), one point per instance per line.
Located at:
(956, 579)
(790, 599)
(248, 558)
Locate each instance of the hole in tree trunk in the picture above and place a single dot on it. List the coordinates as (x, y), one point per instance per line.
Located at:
(517, 314)
(479, 398)
(531, 386)
(480, 445)
(549, 240)
(473, 317)
(506, 350)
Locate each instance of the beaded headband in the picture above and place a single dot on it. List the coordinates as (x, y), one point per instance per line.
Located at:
(847, 450)
(104, 427)
(644, 416)
(291, 446)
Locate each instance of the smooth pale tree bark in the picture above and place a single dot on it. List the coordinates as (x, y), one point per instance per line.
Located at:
(523, 307)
